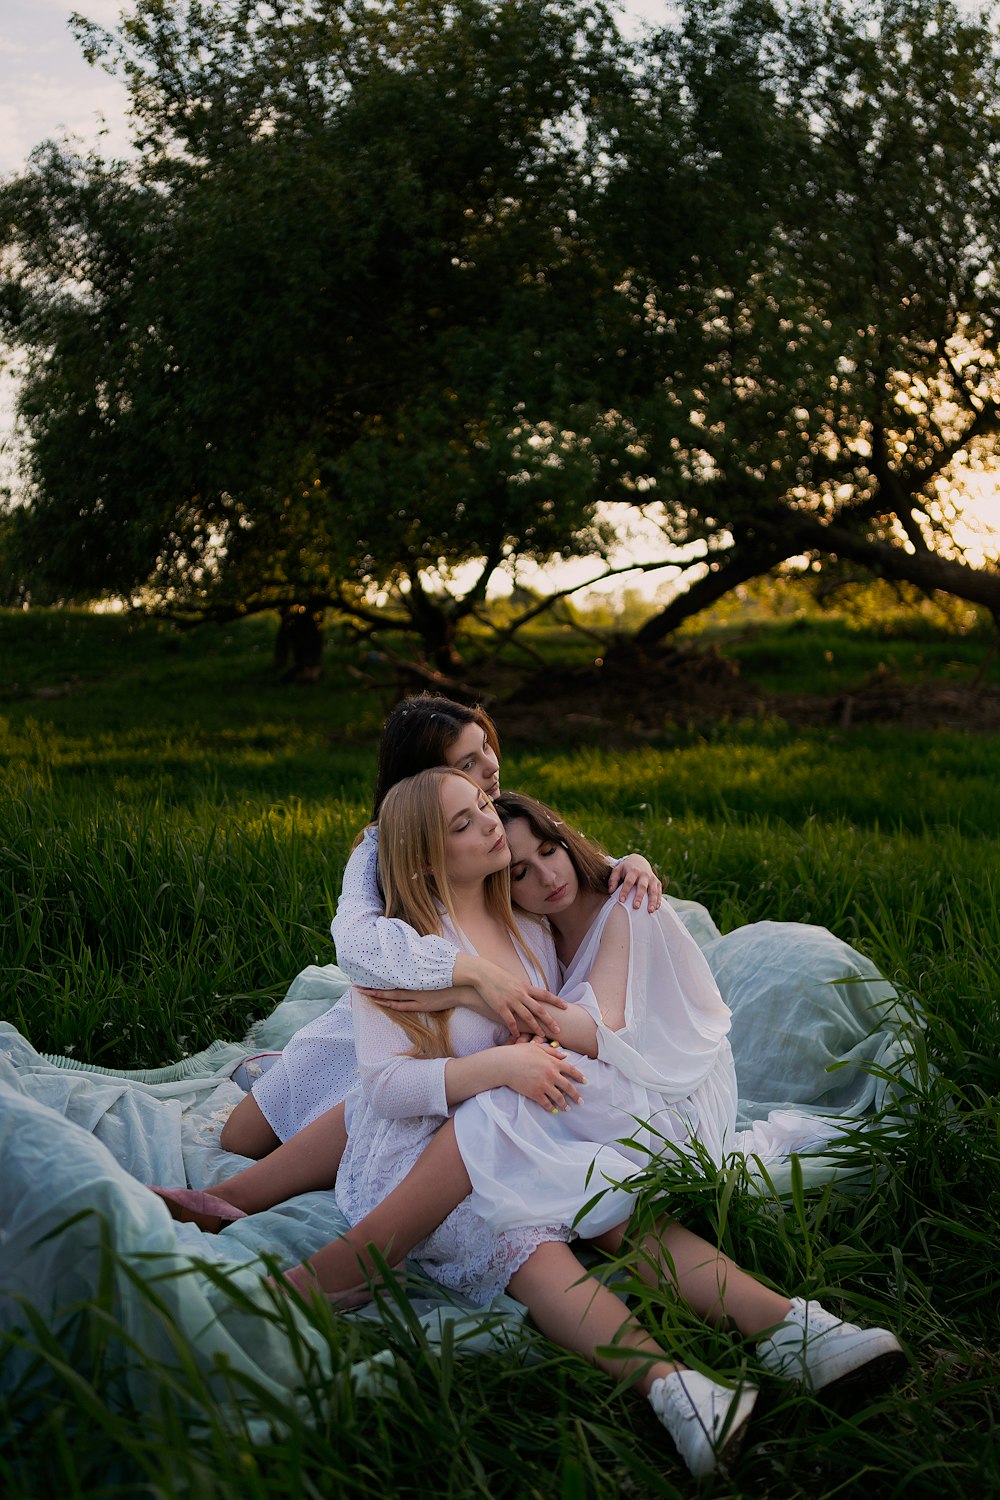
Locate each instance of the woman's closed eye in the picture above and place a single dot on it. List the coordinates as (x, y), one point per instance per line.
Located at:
(480, 807)
(518, 872)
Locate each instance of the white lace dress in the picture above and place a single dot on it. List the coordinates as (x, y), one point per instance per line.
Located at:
(664, 1079)
(390, 1120)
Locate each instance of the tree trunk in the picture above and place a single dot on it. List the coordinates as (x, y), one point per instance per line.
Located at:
(804, 534)
(298, 646)
(927, 570)
(740, 566)
(436, 626)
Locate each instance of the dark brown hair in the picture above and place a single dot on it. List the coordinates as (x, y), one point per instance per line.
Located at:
(417, 736)
(587, 858)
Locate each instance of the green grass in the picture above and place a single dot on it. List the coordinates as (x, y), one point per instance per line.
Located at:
(173, 826)
(811, 655)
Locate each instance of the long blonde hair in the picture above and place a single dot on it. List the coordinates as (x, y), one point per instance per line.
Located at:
(413, 873)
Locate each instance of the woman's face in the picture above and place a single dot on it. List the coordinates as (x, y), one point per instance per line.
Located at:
(472, 753)
(476, 845)
(542, 878)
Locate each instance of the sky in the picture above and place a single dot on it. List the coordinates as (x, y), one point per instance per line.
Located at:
(47, 89)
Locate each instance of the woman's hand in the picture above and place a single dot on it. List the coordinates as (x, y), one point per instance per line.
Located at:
(542, 1072)
(636, 877)
(516, 1004)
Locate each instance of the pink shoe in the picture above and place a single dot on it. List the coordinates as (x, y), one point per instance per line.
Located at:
(190, 1206)
(303, 1279)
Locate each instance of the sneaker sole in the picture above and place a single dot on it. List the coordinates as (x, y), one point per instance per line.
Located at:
(735, 1435)
(875, 1374)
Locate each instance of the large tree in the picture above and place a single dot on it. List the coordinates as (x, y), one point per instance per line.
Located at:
(804, 199)
(398, 293)
(327, 335)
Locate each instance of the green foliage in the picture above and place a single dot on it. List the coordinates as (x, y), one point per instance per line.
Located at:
(799, 202)
(294, 352)
(397, 294)
(172, 831)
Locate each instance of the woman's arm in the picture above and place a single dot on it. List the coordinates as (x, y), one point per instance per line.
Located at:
(608, 976)
(540, 1071)
(574, 1027)
(399, 1086)
(382, 953)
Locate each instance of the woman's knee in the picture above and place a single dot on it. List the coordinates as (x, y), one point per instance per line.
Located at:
(611, 1240)
(247, 1133)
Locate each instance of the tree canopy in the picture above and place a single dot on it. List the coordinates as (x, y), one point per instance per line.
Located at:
(393, 295)
(823, 283)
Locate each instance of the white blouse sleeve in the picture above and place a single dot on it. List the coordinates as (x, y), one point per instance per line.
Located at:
(395, 1085)
(379, 951)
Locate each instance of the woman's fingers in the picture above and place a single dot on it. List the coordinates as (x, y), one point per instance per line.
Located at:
(398, 999)
(519, 1005)
(634, 878)
(563, 1090)
(546, 997)
(532, 1010)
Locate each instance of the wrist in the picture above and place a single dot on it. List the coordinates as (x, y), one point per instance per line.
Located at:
(465, 970)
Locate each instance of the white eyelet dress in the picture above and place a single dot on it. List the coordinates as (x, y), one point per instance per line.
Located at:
(390, 1120)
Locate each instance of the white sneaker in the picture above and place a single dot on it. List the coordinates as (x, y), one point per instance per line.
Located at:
(821, 1351)
(707, 1421)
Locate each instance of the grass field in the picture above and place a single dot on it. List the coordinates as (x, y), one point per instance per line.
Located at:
(173, 826)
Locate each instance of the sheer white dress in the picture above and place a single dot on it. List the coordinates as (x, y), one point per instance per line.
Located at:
(391, 1118)
(666, 1077)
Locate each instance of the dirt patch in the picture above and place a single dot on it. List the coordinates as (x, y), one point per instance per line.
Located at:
(633, 694)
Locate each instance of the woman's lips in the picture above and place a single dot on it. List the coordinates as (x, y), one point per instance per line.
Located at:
(500, 843)
(557, 894)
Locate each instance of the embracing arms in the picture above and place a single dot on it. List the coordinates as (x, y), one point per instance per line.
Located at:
(399, 1085)
(380, 952)
(607, 983)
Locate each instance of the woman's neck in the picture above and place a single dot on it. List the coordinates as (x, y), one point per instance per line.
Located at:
(469, 902)
(571, 926)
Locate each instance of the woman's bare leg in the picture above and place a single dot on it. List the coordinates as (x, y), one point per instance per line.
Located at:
(434, 1185)
(705, 1278)
(577, 1312)
(306, 1161)
(247, 1133)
